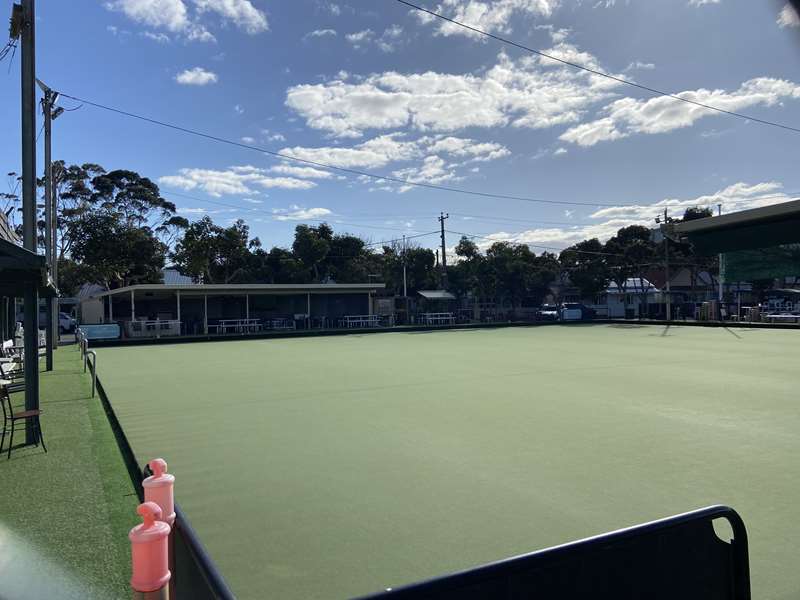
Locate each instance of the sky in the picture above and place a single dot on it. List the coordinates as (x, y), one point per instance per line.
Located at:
(375, 86)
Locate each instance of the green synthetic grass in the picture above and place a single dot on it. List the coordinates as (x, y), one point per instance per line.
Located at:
(65, 515)
(335, 466)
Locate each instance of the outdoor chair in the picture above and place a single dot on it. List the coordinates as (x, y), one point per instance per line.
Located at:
(10, 419)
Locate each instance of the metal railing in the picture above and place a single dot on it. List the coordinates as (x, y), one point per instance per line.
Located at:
(93, 354)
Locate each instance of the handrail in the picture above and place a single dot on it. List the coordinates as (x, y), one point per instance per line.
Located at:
(94, 368)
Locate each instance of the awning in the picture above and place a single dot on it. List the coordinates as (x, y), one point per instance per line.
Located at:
(20, 268)
(436, 295)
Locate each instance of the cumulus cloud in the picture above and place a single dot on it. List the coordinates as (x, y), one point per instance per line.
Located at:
(639, 65)
(395, 148)
(493, 16)
(234, 180)
(297, 213)
(629, 116)
(607, 221)
(529, 92)
(702, 2)
(788, 17)
(196, 76)
(185, 18)
(161, 38)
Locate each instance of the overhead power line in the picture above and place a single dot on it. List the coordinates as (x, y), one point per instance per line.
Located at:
(274, 215)
(322, 165)
(622, 80)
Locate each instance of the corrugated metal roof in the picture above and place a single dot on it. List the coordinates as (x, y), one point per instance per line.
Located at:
(175, 277)
(436, 295)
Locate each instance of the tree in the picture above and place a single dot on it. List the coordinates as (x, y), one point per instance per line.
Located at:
(695, 212)
(214, 254)
(115, 253)
(515, 271)
(311, 246)
(587, 267)
(630, 253)
(134, 198)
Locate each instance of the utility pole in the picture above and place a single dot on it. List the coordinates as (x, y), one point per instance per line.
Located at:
(47, 103)
(666, 268)
(405, 289)
(50, 216)
(442, 218)
(721, 259)
(29, 237)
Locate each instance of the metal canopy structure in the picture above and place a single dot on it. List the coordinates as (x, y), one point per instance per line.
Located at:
(436, 295)
(21, 268)
(752, 229)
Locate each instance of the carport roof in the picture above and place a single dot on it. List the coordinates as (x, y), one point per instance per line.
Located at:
(245, 288)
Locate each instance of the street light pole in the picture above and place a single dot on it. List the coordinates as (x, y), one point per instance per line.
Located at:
(721, 259)
(666, 269)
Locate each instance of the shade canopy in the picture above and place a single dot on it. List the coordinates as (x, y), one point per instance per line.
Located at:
(763, 227)
(436, 295)
(20, 268)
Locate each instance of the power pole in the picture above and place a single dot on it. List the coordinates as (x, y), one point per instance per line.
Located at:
(405, 289)
(50, 217)
(29, 237)
(721, 259)
(666, 268)
(442, 218)
(47, 103)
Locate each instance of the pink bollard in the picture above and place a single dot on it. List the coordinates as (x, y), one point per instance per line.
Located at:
(159, 487)
(149, 550)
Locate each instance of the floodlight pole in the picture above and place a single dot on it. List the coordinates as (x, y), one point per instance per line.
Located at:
(29, 234)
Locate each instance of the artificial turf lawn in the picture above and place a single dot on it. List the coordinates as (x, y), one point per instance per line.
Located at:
(66, 514)
(336, 466)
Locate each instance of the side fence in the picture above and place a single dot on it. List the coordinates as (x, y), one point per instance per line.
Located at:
(195, 575)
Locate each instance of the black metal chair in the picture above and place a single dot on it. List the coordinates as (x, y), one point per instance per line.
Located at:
(10, 420)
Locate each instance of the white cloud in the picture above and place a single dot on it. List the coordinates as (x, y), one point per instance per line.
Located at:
(297, 213)
(640, 66)
(320, 33)
(433, 170)
(359, 38)
(493, 16)
(394, 148)
(702, 2)
(334, 9)
(736, 197)
(386, 42)
(302, 172)
(248, 140)
(167, 14)
(529, 92)
(161, 38)
(238, 109)
(253, 201)
(241, 13)
(629, 116)
(559, 151)
(234, 180)
(175, 15)
(196, 76)
(788, 17)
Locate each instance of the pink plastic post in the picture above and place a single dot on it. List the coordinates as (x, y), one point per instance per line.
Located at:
(159, 487)
(149, 550)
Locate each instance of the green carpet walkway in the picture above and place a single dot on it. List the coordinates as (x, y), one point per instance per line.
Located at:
(65, 515)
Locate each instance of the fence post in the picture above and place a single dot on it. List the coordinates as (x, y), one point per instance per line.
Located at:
(151, 574)
(94, 370)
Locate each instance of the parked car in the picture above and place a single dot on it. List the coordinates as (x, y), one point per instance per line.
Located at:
(66, 324)
(574, 311)
(547, 312)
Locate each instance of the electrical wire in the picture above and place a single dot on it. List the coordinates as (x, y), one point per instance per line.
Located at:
(622, 80)
(272, 214)
(322, 165)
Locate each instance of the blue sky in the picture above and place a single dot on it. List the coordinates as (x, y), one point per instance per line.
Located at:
(370, 85)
